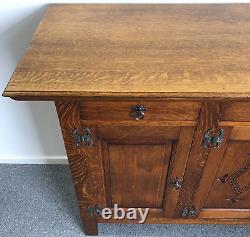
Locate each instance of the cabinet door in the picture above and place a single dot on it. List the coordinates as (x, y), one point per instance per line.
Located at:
(223, 189)
(141, 162)
(229, 195)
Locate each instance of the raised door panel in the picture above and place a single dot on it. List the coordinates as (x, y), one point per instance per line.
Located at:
(138, 174)
(231, 187)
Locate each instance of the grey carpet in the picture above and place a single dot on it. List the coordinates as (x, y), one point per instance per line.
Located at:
(38, 200)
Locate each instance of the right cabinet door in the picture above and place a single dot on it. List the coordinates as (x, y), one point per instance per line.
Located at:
(228, 167)
(231, 186)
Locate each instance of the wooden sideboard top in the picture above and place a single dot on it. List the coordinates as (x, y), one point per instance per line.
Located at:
(137, 50)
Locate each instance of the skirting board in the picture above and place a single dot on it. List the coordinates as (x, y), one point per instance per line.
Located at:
(35, 160)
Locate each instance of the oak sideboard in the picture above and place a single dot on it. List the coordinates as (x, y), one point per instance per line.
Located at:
(153, 103)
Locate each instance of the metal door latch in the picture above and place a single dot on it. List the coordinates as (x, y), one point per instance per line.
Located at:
(85, 139)
(215, 141)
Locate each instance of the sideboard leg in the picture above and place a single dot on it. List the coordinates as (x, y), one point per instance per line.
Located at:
(90, 226)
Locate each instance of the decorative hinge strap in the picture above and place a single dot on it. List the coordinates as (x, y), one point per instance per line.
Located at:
(215, 141)
(85, 139)
(94, 210)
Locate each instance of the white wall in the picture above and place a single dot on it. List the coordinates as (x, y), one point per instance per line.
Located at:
(29, 130)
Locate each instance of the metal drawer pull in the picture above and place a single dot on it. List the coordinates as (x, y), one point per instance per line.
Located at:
(138, 112)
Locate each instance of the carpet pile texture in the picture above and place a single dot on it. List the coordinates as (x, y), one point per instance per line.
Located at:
(39, 200)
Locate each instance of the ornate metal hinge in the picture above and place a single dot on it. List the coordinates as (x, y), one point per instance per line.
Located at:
(176, 183)
(189, 212)
(215, 141)
(94, 210)
(85, 139)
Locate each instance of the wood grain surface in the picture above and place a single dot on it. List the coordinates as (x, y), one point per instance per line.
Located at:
(138, 174)
(209, 116)
(85, 164)
(234, 191)
(182, 62)
(137, 50)
(155, 110)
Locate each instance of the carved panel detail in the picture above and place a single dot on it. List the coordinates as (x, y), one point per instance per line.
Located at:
(240, 186)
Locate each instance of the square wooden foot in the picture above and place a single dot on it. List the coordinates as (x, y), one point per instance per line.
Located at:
(90, 226)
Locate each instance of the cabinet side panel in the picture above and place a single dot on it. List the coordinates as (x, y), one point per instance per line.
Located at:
(85, 162)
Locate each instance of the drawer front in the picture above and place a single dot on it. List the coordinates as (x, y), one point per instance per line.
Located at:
(235, 111)
(130, 110)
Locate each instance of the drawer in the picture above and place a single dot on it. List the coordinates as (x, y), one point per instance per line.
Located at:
(235, 111)
(133, 110)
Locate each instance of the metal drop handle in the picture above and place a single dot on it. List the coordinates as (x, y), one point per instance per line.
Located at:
(138, 111)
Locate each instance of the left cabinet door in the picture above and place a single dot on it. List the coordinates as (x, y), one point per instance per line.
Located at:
(144, 165)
